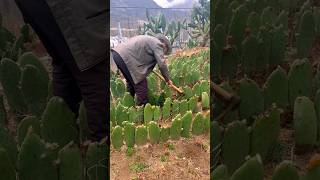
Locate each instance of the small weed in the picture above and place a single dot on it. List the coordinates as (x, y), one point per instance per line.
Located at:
(130, 151)
(170, 147)
(138, 167)
(164, 158)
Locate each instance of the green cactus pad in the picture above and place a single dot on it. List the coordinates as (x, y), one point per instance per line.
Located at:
(127, 100)
(157, 113)
(186, 124)
(71, 165)
(166, 109)
(197, 126)
(24, 126)
(236, 136)
(252, 169)
(176, 126)
(97, 162)
(265, 133)
(276, 89)
(129, 134)
(305, 122)
(148, 113)
(252, 100)
(117, 137)
(164, 134)
(34, 89)
(7, 168)
(58, 123)
(285, 171)
(141, 135)
(154, 132)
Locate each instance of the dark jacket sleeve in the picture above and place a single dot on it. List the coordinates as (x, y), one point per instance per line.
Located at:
(159, 56)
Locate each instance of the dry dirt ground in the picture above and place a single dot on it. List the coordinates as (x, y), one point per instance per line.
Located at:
(185, 159)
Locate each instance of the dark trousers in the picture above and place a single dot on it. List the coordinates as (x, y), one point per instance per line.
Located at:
(69, 82)
(140, 89)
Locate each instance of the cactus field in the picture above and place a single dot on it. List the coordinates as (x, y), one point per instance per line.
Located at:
(40, 138)
(164, 126)
(267, 53)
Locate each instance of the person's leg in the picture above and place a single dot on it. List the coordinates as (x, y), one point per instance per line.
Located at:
(124, 70)
(66, 87)
(94, 88)
(141, 90)
(93, 82)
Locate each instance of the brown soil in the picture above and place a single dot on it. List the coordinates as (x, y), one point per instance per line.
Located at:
(188, 160)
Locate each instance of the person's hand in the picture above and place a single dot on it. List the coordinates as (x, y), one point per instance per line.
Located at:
(170, 83)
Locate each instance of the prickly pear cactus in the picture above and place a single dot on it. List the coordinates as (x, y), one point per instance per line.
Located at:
(306, 34)
(205, 100)
(215, 141)
(192, 104)
(24, 126)
(127, 100)
(276, 89)
(70, 166)
(252, 169)
(154, 133)
(157, 113)
(286, 171)
(197, 126)
(117, 137)
(219, 36)
(253, 23)
(220, 173)
(57, 117)
(164, 134)
(236, 137)
(41, 156)
(10, 74)
(97, 161)
(183, 106)
(175, 107)
(252, 100)
(238, 24)
(278, 46)
(317, 108)
(30, 58)
(166, 109)
(268, 16)
(34, 89)
(176, 126)
(300, 80)
(230, 59)
(148, 113)
(206, 123)
(120, 88)
(250, 54)
(121, 114)
(265, 133)
(186, 124)
(129, 134)
(7, 168)
(8, 143)
(141, 135)
(305, 122)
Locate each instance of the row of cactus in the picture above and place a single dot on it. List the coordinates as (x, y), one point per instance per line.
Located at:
(256, 38)
(280, 87)
(253, 169)
(259, 138)
(126, 111)
(25, 85)
(181, 126)
(52, 155)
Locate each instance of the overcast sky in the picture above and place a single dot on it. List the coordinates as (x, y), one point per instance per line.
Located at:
(166, 4)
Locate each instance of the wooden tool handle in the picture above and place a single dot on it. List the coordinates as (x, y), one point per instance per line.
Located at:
(221, 92)
(173, 86)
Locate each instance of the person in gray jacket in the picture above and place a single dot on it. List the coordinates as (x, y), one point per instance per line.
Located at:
(75, 36)
(136, 59)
